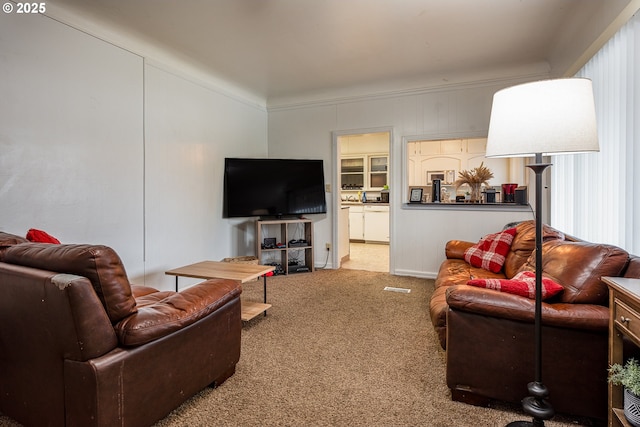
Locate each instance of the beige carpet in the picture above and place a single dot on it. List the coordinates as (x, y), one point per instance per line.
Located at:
(338, 350)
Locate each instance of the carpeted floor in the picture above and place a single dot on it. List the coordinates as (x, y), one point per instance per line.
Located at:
(338, 350)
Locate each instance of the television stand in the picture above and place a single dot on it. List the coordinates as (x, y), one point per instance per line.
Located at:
(296, 240)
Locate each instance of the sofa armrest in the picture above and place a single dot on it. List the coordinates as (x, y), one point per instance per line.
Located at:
(164, 312)
(454, 249)
(489, 302)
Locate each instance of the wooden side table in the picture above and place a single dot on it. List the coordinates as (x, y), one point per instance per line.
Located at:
(624, 321)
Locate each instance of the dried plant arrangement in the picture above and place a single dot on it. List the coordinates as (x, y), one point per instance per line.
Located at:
(474, 178)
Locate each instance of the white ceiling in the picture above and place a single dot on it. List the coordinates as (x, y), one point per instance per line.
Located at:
(278, 50)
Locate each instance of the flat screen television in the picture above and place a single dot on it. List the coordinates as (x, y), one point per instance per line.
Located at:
(273, 187)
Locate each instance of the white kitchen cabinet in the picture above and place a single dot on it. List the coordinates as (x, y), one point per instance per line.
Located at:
(424, 157)
(352, 172)
(454, 146)
(356, 222)
(378, 171)
(343, 226)
(477, 146)
(376, 223)
(447, 146)
(368, 172)
(428, 148)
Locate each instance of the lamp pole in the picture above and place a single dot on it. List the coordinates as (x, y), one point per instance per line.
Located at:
(536, 404)
(548, 117)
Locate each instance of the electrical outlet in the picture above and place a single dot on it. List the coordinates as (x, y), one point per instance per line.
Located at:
(328, 246)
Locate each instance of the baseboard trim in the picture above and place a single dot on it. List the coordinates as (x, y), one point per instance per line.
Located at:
(415, 273)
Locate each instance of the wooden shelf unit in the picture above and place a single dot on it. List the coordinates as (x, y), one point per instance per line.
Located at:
(285, 230)
(624, 321)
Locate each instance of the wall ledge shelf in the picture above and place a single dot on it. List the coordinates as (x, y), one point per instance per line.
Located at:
(496, 207)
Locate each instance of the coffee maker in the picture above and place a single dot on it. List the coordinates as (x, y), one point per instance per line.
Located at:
(436, 195)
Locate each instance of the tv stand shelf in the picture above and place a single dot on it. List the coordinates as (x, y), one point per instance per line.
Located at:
(284, 231)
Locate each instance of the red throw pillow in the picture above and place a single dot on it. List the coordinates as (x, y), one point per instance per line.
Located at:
(40, 236)
(523, 284)
(491, 251)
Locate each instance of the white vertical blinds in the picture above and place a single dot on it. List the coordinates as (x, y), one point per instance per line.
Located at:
(596, 196)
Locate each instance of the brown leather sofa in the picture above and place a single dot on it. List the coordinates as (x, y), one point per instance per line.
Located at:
(489, 336)
(81, 346)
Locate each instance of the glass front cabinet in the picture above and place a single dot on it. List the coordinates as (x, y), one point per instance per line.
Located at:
(352, 173)
(370, 172)
(378, 171)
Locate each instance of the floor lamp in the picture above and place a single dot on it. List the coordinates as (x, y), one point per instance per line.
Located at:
(535, 119)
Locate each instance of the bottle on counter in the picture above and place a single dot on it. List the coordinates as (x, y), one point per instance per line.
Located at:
(364, 197)
(359, 196)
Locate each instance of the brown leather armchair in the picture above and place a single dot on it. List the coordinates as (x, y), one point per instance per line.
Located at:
(81, 346)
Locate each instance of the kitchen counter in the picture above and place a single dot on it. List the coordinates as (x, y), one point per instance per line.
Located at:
(354, 203)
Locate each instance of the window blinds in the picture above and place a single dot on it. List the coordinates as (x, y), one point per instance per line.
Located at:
(596, 196)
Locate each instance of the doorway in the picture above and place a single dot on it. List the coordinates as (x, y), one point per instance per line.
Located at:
(367, 256)
(362, 180)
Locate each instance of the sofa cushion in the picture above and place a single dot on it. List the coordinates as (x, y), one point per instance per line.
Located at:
(490, 252)
(579, 267)
(523, 284)
(161, 313)
(524, 244)
(458, 272)
(141, 290)
(100, 264)
(452, 272)
(7, 240)
(633, 268)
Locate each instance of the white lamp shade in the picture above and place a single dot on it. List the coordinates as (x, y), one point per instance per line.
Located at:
(547, 117)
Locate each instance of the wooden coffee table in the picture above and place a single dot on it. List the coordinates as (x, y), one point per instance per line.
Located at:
(229, 270)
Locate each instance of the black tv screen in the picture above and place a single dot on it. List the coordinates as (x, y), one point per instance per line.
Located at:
(273, 187)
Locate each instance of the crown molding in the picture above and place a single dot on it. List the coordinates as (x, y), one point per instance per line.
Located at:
(427, 89)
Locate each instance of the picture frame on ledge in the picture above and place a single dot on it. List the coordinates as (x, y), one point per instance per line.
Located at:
(416, 195)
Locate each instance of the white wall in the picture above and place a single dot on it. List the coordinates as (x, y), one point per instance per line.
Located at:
(97, 145)
(71, 158)
(305, 133)
(417, 237)
(190, 129)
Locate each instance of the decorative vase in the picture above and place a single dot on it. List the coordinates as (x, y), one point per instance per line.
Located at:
(476, 193)
(632, 408)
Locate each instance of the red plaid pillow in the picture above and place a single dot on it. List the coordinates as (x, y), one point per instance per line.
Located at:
(523, 284)
(491, 251)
